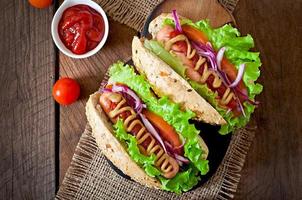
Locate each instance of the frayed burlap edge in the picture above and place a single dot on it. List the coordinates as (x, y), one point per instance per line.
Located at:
(229, 4)
(134, 13)
(131, 13)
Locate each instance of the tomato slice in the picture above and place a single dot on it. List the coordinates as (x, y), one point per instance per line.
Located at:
(231, 71)
(194, 34)
(167, 132)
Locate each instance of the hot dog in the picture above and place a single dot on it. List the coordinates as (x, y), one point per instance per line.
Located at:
(197, 68)
(149, 139)
(116, 107)
(212, 62)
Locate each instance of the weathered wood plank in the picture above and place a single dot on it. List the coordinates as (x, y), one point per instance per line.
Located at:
(26, 110)
(273, 168)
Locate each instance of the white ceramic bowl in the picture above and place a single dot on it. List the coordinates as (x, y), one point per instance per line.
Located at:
(55, 21)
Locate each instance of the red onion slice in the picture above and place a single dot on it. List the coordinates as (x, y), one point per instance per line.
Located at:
(179, 162)
(241, 107)
(152, 130)
(181, 158)
(208, 44)
(206, 51)
(246, 98)
(106, 90)
(228, 111)
(219, 57)
(176, 20)
(173, 149)
(236, 94)
(179, 147)
(124, 89)
(239, 76)
(215, 61)
(126, 92)
(168, 145)
(169, 148)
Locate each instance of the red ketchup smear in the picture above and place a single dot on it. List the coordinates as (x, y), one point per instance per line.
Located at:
(81, 28)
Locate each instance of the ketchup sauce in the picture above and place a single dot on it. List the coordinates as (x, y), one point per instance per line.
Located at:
(81, 28)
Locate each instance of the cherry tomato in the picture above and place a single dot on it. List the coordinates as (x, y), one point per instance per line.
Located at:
(166, 131)
(40, 3)
(66, 91)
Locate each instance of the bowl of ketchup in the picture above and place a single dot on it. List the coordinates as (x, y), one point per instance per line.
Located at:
(79, 28)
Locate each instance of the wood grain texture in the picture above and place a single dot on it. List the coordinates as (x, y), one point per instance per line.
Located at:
(89, 73)
(273, 169)
(274, 164)
(27, 138)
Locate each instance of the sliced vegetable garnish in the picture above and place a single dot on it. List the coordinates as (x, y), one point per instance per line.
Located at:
(219, 57)
(167, 132)
(215, 61)
(153, 131)
(126, 92)
(181, 158)
(206, 51)
(237, 52)
(176, 20)
(237, 49)
(239, 76)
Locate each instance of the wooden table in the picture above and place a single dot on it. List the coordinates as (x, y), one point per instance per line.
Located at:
(38, 138)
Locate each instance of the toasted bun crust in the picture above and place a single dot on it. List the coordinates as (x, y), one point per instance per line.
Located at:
(111, 147)
(166, 82)
(156, 24)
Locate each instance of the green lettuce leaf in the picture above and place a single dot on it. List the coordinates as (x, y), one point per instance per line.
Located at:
(173, 61)
(182, 182)
(173, 115)
(232, 122)
(237, 51)
(146, 162)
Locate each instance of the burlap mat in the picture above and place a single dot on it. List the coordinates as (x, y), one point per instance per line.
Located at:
(133, 13)
(90, 176)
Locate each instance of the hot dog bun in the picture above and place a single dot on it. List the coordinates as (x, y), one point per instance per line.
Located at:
(114, 150)
(156, 24)
(166, 82)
